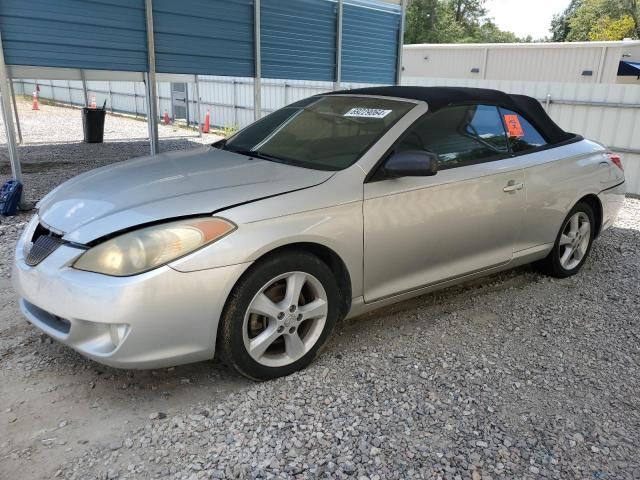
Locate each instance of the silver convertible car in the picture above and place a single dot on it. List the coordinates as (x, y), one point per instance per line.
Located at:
(253, 248)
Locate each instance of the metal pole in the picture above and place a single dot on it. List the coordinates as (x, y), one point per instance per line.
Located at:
(70, 94)
(15, 111)
(110, 96)
(197, 93)
(150, 80)
(84, 88)
(8, 118)
(257, 81)
(236, 124)
(403, 7)
(338, 81)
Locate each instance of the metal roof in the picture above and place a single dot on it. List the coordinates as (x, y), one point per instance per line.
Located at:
(298, 38)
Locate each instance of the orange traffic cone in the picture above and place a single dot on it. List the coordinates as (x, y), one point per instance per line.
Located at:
(165, 118)
(35, 106)
(93, 101)
(207, 123)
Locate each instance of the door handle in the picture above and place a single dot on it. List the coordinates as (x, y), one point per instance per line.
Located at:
(512, 187)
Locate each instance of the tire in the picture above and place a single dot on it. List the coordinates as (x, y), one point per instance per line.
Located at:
(555, 265)
(261, 319)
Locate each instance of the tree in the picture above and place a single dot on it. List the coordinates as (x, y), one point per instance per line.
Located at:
(420, 22)
(467, 11)
(452, 21)
(607, 28)
(585, 20)
(560, 22)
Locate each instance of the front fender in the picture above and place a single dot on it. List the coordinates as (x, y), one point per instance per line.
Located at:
(339, 228)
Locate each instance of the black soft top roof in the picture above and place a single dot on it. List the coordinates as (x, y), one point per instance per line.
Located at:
(440, 97)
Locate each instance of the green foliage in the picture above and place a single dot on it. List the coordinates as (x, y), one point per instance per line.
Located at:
(452, 21)
(607, 28)
(586, 20)
(560, 23)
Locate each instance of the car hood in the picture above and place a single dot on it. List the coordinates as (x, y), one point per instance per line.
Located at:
(168, 185)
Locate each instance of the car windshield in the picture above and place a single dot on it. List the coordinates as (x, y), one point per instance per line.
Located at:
(324, 133)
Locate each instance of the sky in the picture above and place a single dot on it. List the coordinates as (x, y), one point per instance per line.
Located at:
(525, 17)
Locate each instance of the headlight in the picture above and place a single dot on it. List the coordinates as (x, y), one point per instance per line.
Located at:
(150, 247)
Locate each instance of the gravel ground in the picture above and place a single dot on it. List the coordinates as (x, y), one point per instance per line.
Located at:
(60, 124)
(512, 376)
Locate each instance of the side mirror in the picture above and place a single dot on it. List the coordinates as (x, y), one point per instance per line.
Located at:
(411, 163)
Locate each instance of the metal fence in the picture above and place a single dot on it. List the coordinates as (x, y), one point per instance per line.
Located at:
(229, 100)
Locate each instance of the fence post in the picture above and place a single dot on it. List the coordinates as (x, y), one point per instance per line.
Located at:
(110, 96)
(197, 93)
(236, 123)
(338, 81)
(84, 88)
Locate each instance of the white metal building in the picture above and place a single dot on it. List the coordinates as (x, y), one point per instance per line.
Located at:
(576, 62)
(589, 88)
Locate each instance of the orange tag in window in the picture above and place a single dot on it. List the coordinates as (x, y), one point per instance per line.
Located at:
(513, 126)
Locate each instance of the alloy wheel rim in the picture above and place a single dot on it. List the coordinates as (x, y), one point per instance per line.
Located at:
(285, 319)
(574, 240)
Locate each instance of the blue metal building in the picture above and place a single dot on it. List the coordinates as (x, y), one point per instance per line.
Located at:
(328, 40)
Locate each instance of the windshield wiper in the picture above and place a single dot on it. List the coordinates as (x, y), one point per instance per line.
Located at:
(258, 154)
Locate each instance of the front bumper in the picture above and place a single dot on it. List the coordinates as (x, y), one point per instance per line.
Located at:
(155, 319)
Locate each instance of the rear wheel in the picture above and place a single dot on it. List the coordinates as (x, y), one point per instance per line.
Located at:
(279, 315)
(573, 243)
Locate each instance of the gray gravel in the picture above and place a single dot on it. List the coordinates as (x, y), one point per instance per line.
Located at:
(512, 376)
(518, 376)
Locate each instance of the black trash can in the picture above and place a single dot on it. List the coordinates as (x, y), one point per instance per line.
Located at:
(93, 124)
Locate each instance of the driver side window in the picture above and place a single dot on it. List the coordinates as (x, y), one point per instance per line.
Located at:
(459, 135)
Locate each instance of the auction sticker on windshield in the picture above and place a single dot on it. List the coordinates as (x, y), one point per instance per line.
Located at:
(367, 113)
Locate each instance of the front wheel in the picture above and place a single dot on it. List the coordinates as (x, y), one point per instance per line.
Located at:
(278, 315)
(573, 243)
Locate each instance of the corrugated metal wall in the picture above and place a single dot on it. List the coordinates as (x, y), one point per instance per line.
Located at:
(204, 36)
(550, 64)
(90, 34)
(533, 62)
(370, 42)
(298, 39)
(609, 114)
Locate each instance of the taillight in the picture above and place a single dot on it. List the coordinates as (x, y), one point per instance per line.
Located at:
(616, 160)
